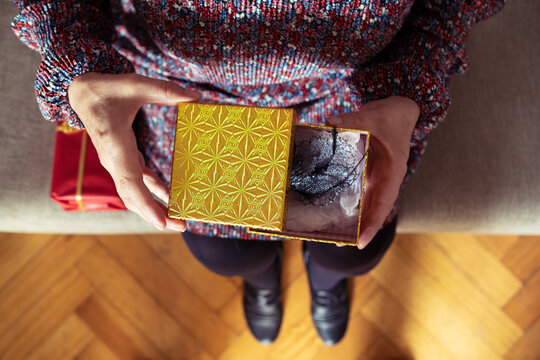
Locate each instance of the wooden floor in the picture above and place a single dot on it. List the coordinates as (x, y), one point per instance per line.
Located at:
(127, 297)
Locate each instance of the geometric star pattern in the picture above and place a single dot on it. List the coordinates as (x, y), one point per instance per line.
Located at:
(230, 164)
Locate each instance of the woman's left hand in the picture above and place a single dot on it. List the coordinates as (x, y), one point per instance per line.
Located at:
(391, 122)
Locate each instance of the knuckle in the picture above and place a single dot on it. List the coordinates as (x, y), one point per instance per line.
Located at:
(89, 96)
(123, 187)
(150, 184)
(102, 146)
(129, 206)
(131, 79)
(169, 89)
(134, 84)
(398, 165)
(104, 162)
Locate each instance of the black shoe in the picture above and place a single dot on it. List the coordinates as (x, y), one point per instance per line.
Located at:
(263, 308)
(329, 308)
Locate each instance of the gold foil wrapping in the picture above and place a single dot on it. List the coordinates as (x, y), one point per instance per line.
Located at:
(230, 165)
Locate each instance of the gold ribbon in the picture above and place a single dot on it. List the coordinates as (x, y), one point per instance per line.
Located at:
(65, 128)
(80, 174)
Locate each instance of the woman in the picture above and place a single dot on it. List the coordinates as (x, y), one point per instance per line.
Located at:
(357, 64)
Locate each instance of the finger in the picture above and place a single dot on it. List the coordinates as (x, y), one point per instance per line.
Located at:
(352, 120)
(115, 151)
(138, 199)
(381, 200)
(141, 159)
(176, 224)
(173, 224)
(161, 92)
(159, 189)
(373, 225)
(155, 185)
(369, 118)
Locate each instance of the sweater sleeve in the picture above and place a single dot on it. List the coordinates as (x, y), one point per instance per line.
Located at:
(73, 37)
(417, 63)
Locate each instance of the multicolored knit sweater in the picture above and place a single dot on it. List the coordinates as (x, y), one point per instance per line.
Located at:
(322, 57)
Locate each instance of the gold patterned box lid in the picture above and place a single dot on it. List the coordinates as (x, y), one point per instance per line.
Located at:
(230, 165)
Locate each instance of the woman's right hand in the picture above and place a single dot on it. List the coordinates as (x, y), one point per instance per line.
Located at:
(391, 122)
(107, 105)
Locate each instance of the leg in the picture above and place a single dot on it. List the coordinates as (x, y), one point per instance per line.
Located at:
(258, 263)
(253, 260)
(328, 268)
(330, 264)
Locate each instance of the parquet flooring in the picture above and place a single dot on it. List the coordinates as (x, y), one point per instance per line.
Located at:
(434, 296)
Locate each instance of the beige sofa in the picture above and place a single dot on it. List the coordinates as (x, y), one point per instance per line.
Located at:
(479, 175)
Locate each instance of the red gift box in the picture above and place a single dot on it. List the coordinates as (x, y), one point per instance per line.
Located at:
(79, 182)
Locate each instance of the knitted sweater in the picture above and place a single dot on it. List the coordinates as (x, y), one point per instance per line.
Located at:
(322, 57)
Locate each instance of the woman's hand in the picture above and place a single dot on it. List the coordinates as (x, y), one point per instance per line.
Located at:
(391, 122)
(107, 105)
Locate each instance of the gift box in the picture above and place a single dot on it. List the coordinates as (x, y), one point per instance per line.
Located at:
(79, 181)
(230, 165)
(233, 165)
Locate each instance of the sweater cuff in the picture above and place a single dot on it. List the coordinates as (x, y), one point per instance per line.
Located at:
(61, 65)
(426, 87)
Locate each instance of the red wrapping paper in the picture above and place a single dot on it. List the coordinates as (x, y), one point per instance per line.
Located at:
(79, 182)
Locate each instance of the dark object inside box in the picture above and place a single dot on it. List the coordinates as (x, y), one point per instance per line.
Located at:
(326, 184)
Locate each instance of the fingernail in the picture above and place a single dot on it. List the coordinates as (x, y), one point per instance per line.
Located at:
(158, 225)
(193, 93)
(368, 234)
(335, 120)
(176, 227)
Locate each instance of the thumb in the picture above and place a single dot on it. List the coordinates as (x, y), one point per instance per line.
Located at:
(353, 120)
(162, 92)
